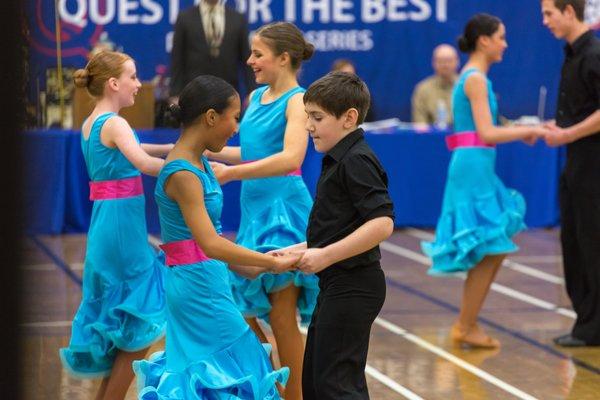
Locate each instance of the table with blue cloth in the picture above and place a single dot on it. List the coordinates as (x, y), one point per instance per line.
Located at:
(56, 189)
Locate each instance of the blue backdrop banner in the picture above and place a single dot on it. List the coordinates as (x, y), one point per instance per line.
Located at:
(389, 40)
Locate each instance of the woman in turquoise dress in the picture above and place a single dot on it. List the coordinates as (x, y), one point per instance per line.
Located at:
(211, 353)
(122, 311)
(479, 214)
(275, 203)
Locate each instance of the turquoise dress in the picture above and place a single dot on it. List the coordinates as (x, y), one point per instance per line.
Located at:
(274, 211)
(211, 353)
(123, 302)
(479, 214)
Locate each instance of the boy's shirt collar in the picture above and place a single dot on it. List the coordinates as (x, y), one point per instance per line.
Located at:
(579, 43)
(341, 148)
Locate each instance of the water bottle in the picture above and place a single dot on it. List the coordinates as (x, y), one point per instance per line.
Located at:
(441, 115)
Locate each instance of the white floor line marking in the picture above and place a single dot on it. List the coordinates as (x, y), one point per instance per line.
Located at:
(386, 380)
(392, 384)
(453, 359)
(412, 255)
(406, 253)
(538, 259)
(566, 312)
(509, 263)
(49, 324)
(536, 273)
(50, 267)
(419, 234)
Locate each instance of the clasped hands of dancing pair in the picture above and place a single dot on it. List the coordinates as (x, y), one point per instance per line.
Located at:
(553, 135)
(308, 261)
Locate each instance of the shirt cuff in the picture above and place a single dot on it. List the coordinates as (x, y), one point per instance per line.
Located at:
(380, 212)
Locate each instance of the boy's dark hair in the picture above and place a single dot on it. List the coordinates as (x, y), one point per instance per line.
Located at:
(337, 92)
(578, 6)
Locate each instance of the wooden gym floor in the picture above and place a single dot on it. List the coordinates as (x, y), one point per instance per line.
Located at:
(410, 355)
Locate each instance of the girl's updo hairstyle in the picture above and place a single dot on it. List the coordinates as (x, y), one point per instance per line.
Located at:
(284, 37)
(102, 67)
(478, 25)
(203, 93)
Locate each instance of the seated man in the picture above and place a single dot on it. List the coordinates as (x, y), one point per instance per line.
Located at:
(345, 65)
(431, 100)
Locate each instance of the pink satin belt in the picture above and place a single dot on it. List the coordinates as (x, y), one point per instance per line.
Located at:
(297, 172)
(116, 189)
(465, 139)
(183, 252)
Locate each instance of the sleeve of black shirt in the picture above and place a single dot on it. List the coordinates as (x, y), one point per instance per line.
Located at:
(366, 182)
(591, 74)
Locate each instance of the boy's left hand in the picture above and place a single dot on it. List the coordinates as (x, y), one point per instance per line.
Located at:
(313, 261)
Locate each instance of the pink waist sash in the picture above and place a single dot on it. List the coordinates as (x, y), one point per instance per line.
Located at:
(465, 139)
(116, 189)
(297, 172)
(183, 252)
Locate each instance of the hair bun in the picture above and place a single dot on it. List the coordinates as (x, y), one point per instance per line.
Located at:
(81, 78)
(463, 44)
(309, 50)
(173, 115)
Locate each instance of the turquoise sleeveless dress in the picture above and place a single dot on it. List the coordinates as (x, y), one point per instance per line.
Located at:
(274, 211)
(123, 301)
(211, 352)
(479, 214)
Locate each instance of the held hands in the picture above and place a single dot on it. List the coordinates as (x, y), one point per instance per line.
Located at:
(550, 133)
(284, 262)
(556, 136)
(313, 261)
(309, 261)
(222, 172)
(536, 132)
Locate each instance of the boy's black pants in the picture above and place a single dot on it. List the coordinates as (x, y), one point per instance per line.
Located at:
(580, 239)
(338, 335)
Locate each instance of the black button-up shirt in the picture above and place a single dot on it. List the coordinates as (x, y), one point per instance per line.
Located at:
(352, 190)
(578, 98)
(579, 92)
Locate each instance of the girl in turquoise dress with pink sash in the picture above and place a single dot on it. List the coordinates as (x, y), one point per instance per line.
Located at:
(122, 311)
(211, 353)
(479, 214)
(275, 203)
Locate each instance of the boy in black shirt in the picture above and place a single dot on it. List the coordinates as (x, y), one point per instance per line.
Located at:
(351, 215)
(578, 126)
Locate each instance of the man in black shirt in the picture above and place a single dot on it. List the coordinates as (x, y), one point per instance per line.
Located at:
(351, 215)
(578, 126)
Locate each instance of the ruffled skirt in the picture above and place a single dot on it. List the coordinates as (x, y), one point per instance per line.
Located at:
(125, 315)
(275, 214)
(479, 214)
(241, 371)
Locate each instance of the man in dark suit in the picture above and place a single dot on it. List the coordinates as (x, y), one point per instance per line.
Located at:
(212, 39)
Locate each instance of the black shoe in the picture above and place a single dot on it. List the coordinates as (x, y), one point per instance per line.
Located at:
(569, 341)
